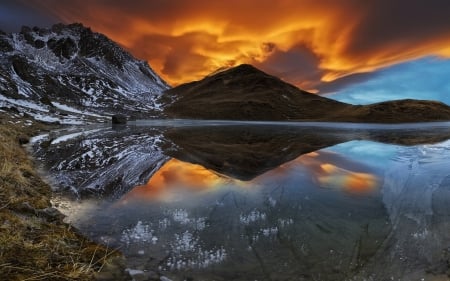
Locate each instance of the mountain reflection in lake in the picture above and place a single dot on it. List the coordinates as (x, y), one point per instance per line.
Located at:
(266, 203)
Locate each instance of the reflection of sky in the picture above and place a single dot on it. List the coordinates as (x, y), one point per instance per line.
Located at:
(373, 154)
(420, 79)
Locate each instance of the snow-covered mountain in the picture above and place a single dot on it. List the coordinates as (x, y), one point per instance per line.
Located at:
(70, 74)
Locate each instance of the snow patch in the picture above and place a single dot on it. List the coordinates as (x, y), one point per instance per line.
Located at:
(73, 135)
(74, 110)
(24, 103)
(38, 138)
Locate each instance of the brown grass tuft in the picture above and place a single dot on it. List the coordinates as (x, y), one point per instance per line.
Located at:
(34, 246)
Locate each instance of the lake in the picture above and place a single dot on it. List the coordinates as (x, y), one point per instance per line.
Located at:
(266, 201)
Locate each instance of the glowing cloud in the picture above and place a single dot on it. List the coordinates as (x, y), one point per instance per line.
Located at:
(305, 42)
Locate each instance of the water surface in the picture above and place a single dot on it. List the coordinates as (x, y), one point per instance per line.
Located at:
(269, 202)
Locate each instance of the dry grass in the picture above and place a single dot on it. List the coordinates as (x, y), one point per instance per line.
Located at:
(34, 244)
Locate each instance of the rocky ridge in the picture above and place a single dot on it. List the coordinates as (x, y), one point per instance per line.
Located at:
(69, 73)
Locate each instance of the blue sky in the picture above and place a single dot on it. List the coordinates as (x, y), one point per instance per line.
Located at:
(427, 78)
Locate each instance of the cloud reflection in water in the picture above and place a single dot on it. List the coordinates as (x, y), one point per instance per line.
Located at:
(176, 178)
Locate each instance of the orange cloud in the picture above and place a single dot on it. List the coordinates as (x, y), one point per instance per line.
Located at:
(328, 39)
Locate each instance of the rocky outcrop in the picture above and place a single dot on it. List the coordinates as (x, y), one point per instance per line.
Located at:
(72, 71)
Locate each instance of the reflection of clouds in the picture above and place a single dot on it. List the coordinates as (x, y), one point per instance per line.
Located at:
(193, 237)
(334, 177)
(173, 177)
(331, 170)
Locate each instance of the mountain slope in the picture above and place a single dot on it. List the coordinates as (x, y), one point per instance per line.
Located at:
(68, 71)
(246, 93)
(395, 111)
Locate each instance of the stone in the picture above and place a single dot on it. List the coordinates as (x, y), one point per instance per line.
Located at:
(39, 44)
(119, 119)
(51, 214)
(62, 48)
(23, 140)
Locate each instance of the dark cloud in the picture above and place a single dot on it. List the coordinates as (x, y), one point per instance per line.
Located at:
(15, 14)
(395, 26)
(343, 82)
(298, 65)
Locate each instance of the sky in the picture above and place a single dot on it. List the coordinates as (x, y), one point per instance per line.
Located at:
(330, 47)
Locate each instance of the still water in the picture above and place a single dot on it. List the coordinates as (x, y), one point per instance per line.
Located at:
(278, 203)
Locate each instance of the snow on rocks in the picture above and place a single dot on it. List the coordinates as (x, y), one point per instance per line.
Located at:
(49, 73)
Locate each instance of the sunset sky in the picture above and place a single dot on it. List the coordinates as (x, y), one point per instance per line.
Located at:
(326, 46)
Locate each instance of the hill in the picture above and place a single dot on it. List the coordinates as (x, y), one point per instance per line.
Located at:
(246, 93)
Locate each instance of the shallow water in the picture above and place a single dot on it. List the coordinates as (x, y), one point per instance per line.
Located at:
(280, 203)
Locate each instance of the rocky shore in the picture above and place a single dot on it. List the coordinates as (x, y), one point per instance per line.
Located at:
(35, 243)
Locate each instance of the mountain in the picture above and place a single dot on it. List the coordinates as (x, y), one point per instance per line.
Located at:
(246, 93)
(396, 111)
(68, 73)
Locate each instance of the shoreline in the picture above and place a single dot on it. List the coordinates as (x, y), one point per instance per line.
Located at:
(35, 242)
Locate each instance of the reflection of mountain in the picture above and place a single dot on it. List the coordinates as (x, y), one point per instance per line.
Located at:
(109, 162)
(246, 93)
(291, 221)
(245, 152)
(175, 178)
(102, 161)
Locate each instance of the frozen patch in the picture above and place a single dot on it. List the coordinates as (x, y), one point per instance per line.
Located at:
(187, 253)
(139, 233)
(252, 217)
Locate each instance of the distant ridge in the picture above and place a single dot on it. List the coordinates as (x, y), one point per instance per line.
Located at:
(247, 93)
